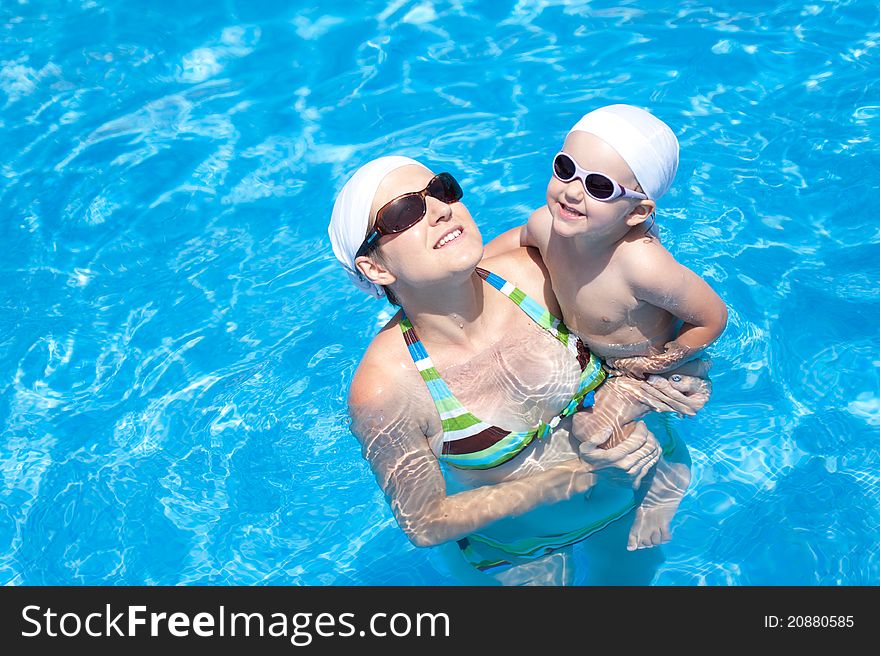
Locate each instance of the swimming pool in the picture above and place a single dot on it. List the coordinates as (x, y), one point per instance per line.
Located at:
(177, 339)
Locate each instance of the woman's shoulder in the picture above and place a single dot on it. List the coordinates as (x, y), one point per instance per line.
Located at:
(523, 264)
(524, 268)
(385, 395)
(382, 351)
(381, 366)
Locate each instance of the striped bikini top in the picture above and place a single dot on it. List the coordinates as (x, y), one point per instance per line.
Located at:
(468, 442)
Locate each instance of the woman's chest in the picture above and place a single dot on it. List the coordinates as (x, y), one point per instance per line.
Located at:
(525, 377)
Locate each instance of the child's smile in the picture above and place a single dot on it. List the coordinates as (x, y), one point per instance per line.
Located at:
(570, 213)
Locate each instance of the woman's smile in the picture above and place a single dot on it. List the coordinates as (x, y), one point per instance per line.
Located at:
(449, 236)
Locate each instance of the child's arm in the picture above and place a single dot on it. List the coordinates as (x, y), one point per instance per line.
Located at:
(658, 279)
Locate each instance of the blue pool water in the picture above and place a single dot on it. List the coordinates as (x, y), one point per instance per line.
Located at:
(176, 339)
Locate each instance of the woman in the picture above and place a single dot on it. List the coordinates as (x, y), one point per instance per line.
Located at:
(462, 402)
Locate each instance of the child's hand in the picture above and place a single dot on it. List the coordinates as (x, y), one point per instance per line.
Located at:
(674, 354)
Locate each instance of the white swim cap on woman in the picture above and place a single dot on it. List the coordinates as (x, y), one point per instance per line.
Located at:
(645, 143)
(351, 215)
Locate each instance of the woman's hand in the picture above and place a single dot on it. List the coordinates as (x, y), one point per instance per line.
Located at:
(627, 462)
(680, 393)
(685, 395)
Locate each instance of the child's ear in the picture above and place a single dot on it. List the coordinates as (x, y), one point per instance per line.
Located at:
(641, 212)
(374, 271)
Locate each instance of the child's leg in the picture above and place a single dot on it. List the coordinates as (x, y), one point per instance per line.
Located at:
(609, 563)
(663, 491)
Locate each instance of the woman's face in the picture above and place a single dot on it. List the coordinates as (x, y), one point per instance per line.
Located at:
(446, 241)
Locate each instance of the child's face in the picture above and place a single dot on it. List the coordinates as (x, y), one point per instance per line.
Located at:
(574, 211)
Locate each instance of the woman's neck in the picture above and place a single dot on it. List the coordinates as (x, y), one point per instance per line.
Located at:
(447, 313)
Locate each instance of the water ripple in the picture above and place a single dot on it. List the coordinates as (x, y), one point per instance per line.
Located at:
(176, 341)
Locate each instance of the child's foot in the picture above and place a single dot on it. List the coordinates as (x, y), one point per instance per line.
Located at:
(655, 513)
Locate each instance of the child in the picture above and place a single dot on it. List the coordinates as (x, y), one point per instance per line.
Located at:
(619, 289)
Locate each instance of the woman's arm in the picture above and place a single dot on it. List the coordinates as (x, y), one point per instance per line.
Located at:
(387, 425)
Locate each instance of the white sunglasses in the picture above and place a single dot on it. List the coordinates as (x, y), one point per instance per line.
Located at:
(597, 185)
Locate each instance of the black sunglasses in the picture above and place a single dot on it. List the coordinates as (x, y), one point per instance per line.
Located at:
(406, 210)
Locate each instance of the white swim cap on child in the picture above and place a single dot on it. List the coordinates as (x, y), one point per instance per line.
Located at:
(645, 143)
(351, 215)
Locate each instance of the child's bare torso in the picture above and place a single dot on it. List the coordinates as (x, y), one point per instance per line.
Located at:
(599, 304)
